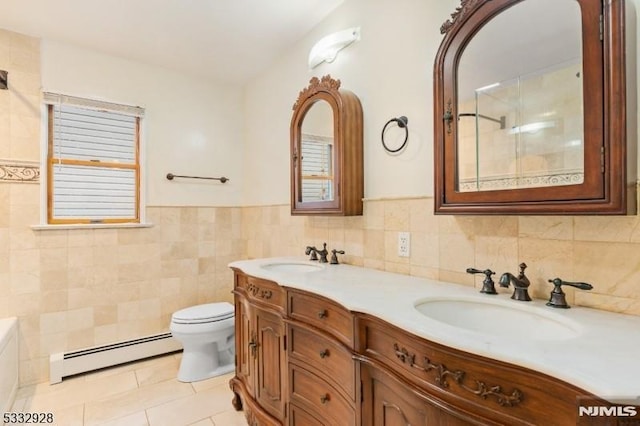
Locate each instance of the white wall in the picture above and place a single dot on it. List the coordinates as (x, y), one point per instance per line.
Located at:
(192, 126)
(201, 128)
(390, 69)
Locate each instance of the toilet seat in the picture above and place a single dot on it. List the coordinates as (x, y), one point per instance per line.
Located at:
(199, 314)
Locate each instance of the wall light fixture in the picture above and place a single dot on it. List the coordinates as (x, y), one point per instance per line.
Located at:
(327, 48)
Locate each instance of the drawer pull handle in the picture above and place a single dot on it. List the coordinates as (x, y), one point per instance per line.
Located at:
(323, 314)
(325, 398)
(324, 353)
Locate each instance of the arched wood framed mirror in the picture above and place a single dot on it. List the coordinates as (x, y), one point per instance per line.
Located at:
(326, 151)
(530, 109)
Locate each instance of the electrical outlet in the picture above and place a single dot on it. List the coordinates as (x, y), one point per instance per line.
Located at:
(404, 244)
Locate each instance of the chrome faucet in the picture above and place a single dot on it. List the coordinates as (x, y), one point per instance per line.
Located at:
(520, 284)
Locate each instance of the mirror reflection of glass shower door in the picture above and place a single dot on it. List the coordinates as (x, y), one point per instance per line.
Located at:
(520, 100)
(526, 132)
(550, 126)
(495, 109)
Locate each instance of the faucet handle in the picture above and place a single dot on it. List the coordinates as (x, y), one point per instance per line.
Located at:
(522, 277)
(557, 298)
(488, 286)
(522, 266)
(334, 256)
(311, 250)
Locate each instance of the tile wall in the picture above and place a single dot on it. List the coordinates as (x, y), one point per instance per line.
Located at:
(604, 251)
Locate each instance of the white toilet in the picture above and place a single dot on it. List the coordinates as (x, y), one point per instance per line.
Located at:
(207, 334)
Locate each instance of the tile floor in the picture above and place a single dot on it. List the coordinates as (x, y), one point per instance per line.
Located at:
(141, 393)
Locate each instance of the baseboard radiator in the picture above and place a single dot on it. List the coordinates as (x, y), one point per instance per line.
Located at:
(64, 364)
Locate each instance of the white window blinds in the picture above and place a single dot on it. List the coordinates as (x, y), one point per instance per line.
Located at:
(317, 167)
(93, 166)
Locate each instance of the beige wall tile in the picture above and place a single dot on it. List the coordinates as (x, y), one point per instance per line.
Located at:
(612, 268)
(546, 227)
(457, 252)
(374, 245)
(22, 238)
(374, 215)
(354, 242)
(398, 268)
(169, 216)
(464, 225)
(496, 226)
(52, 258)
(604, 228)
(397, 215)
(421, 217)
(55, 301)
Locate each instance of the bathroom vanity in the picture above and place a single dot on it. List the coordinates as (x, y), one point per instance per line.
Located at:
(337, 344)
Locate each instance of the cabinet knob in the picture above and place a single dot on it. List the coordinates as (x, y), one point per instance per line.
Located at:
(325, 398)
(253, 345)
(322, 314)
(324, 353)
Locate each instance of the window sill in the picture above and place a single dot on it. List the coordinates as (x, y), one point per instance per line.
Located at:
(48, 227)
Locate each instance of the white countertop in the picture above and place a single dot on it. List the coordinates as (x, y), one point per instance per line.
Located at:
(604, 358)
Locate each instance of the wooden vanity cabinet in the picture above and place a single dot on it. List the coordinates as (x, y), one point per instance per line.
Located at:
(294, 357)
(260, 381)
(302, 359)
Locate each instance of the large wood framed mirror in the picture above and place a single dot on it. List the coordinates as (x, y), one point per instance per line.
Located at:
(530, 109)
(326, 151)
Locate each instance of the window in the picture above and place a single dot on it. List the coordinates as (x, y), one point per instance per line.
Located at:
(317, 167)
(93, 161)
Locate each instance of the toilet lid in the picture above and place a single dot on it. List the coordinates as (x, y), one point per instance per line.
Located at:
(209, 312)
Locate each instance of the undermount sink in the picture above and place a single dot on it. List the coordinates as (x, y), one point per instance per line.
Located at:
(292, 267)
(495, 318)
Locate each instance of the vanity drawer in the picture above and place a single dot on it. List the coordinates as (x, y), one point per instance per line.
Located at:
(323, 355)
(298, 416)
(502, 392)
(308, 390)
(322, 313)
(264, 292)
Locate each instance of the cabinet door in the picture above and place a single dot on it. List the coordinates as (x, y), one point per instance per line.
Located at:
(271, 363)
(388, 402)
(246, 344)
